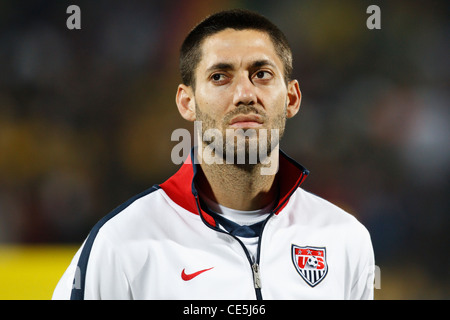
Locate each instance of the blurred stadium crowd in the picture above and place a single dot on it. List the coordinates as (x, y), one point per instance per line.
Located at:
(86, 118)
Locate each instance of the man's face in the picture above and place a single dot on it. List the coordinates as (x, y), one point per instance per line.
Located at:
(240, 85)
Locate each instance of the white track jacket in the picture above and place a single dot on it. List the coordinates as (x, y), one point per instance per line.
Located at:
(162, 244)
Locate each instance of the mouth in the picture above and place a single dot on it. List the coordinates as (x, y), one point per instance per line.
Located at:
(246, 121)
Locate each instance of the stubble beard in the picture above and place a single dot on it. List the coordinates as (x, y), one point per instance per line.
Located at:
(248, 141)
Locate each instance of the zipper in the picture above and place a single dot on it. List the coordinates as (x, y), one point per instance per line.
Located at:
(254, 265)
(256, 276)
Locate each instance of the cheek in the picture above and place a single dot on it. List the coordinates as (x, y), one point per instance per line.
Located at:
(210, 105)
(206, 115)
(274, 95)
(276, 106)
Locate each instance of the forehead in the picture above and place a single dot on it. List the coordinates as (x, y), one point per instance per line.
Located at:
(238, 47)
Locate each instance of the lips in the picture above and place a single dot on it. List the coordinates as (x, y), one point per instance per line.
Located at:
(246, 121)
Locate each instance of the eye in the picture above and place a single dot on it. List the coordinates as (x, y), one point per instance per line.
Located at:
(263, 75)
(218, 77)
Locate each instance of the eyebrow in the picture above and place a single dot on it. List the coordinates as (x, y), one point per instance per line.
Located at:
(230, 66)
(262, 63)
(220, 66)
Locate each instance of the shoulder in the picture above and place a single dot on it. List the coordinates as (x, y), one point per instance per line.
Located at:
(134, 216)
(124, 223)
(107, 243)
(323, 213)
(335, 224)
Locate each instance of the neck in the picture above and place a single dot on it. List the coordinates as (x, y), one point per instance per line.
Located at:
(239, 187)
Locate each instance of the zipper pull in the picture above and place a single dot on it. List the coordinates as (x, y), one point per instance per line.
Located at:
(256, 278)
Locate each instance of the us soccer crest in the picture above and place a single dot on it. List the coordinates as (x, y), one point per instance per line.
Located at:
(310, 263)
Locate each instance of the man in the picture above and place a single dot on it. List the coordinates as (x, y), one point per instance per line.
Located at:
(223, 228)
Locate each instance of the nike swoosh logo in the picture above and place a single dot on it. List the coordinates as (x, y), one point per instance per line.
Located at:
(187, 277)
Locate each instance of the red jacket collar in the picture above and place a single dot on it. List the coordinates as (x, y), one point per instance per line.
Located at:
(180, 187)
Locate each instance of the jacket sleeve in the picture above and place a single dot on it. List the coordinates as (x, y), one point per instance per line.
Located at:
(68, 280)
(100, 277)
(364, 274)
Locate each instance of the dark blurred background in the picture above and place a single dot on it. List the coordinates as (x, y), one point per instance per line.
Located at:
(86, 118)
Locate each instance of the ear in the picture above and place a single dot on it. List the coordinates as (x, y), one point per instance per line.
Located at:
(294, 96)
(186, 102)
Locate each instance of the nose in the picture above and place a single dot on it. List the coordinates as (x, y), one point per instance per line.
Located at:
(244, 92)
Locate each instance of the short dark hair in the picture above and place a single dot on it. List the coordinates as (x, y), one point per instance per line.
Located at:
(238, 19)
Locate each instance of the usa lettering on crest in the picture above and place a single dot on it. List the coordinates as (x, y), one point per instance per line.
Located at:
(310, 263)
